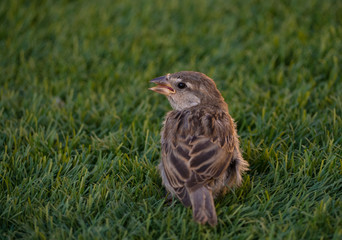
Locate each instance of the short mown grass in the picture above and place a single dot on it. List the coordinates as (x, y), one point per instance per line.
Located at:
(79, 130)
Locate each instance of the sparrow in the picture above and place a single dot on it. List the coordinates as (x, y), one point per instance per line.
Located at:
(200, 154)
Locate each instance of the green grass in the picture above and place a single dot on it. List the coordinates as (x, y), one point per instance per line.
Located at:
(79, 131)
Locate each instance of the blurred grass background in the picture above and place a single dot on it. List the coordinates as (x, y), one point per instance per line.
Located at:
(79, 131)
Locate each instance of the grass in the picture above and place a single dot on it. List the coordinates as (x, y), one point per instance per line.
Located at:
(79, 131)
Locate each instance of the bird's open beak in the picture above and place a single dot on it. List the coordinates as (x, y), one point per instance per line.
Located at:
(163, 86)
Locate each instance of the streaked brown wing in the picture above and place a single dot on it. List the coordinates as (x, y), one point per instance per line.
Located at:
(208, 159)
(191, 160)
(177, 170)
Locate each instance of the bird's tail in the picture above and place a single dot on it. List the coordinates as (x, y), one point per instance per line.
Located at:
(203, 207)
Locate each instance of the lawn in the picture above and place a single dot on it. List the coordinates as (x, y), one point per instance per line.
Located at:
(79, 129)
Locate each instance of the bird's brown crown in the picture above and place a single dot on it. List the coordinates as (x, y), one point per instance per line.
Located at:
(188, 89)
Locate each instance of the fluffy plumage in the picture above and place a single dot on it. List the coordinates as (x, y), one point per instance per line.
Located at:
(200, 147)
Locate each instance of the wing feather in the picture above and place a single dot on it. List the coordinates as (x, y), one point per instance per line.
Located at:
(196, 148)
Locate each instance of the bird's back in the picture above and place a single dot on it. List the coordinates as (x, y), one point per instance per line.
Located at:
(197, 144)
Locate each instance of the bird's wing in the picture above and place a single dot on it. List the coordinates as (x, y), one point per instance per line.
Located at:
(196, 149)
(208, 159)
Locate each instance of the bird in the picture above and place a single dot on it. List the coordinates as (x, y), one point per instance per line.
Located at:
(200, 153)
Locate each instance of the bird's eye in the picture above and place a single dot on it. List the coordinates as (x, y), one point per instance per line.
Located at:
(181, 85)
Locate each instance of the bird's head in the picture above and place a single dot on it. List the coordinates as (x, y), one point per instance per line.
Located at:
(188, 89)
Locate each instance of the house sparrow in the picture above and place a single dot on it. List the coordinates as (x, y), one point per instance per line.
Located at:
(200, 148)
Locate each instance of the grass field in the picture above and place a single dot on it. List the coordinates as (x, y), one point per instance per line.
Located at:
(79, 129)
